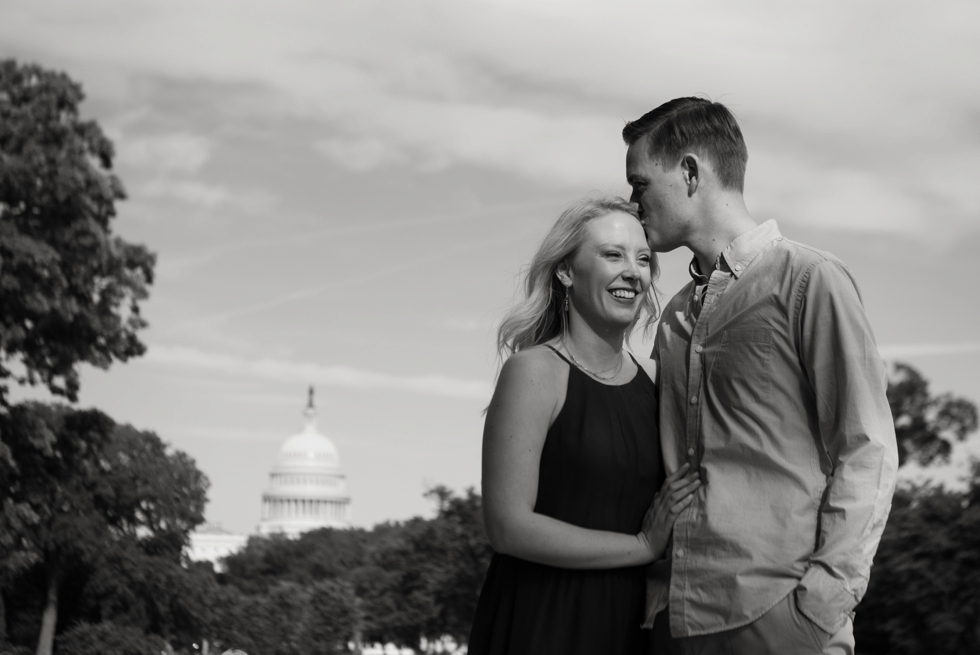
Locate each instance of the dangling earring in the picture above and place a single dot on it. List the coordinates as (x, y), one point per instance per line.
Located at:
(566, 300)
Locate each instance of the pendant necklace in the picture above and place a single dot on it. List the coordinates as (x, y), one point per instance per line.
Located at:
(595, 375)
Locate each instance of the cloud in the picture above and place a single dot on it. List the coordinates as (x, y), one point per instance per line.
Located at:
(307, 373)
(898, 351)
(361, 154)
(540, 88)
(180, 152)
(205, 196)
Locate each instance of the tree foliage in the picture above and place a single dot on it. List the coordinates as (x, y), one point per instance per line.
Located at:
(926, 426)
(69, 289)
(402, 583)
(95, 506)
(924, 592)
(108, 639)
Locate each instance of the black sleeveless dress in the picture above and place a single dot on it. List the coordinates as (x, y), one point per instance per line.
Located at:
(600, 468)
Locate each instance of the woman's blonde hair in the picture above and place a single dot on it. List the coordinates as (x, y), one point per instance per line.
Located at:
(539, 317)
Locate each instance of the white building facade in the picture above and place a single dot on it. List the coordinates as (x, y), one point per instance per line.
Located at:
(307, 487)
(212, 543)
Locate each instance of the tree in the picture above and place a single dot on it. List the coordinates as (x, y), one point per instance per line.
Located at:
(926, 426)
(422, 579)
(924, 592)
(103, 503)
(330, 619)
(324, 554)
(107, 639)
(465, 556)
(69, 289)
(54, 495)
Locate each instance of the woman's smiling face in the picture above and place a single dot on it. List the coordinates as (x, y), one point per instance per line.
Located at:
(610, 271)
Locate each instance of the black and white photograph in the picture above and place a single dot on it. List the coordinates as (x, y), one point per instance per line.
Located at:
(393, 327)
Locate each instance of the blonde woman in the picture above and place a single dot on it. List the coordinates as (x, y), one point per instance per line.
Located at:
(571, 452)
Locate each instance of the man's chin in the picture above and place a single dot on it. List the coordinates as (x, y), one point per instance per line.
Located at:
(662, 247)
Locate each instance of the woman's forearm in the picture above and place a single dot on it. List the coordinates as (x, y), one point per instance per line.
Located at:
(546, 540)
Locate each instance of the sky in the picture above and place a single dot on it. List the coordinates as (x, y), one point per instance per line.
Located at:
(342, 194)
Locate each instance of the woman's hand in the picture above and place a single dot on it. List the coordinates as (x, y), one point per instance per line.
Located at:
(676, 494)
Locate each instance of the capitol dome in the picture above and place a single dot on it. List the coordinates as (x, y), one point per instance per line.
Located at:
(307, 488)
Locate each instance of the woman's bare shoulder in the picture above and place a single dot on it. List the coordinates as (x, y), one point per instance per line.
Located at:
(534, 365)
(532, 383)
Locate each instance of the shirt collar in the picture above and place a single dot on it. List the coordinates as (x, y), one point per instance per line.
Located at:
(740, 252)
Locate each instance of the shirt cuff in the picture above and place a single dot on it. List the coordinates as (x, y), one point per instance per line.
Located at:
(823, 599)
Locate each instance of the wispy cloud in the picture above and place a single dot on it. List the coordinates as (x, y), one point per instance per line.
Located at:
(206, 196)
(897, 351)
(307, 373)
(380, 273)
(871, 126)
(343, 227)
(179, 152)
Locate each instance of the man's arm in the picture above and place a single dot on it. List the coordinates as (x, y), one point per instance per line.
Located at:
(848, 381)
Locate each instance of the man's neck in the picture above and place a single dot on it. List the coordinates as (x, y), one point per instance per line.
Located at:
(727, 220)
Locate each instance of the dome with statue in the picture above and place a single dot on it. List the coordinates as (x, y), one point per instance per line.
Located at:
(307, 487)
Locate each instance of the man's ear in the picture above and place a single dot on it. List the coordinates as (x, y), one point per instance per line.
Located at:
(691, 170)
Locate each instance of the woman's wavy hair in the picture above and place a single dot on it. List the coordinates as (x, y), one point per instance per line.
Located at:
(539, 317)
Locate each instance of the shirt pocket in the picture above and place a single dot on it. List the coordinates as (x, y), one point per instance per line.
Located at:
(741, 373)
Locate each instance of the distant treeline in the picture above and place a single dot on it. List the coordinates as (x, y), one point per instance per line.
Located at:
(95, 518)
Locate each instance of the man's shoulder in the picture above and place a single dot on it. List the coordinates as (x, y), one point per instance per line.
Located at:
(802, 258)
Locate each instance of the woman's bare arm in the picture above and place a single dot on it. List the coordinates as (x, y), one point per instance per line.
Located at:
(524, 405)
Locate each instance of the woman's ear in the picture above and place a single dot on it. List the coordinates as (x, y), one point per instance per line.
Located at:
(564, 273)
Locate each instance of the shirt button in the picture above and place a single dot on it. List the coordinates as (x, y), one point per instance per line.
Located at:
(694, 400)
(690, 452)
(738, 267)
(679, 552)
(698, 349)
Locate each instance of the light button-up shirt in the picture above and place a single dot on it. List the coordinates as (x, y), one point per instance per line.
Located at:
(772, 387)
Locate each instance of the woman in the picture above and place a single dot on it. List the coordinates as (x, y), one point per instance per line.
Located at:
(571, 453)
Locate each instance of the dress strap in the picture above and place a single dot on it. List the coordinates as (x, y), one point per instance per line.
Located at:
(640, 369)
(565, 359)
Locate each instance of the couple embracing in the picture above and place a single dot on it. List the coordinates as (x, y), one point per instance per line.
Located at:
(726, 495)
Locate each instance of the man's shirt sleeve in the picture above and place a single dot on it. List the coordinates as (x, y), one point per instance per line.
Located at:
(848, 381)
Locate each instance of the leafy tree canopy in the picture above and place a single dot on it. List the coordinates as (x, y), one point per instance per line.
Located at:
(926, 426)
(69, 289)
(89, 504)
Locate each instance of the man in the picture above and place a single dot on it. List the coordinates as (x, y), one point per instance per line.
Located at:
(772, 386)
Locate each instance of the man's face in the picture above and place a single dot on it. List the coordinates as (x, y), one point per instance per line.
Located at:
(661, 196)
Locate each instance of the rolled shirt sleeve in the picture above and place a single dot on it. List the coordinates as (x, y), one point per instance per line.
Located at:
(848, 381)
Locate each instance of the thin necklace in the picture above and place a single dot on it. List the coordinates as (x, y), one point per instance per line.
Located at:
(595, 375)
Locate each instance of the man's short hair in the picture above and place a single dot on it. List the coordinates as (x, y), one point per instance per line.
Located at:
(694, 125)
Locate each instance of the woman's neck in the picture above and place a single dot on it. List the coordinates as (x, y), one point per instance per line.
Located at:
(592, 348)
